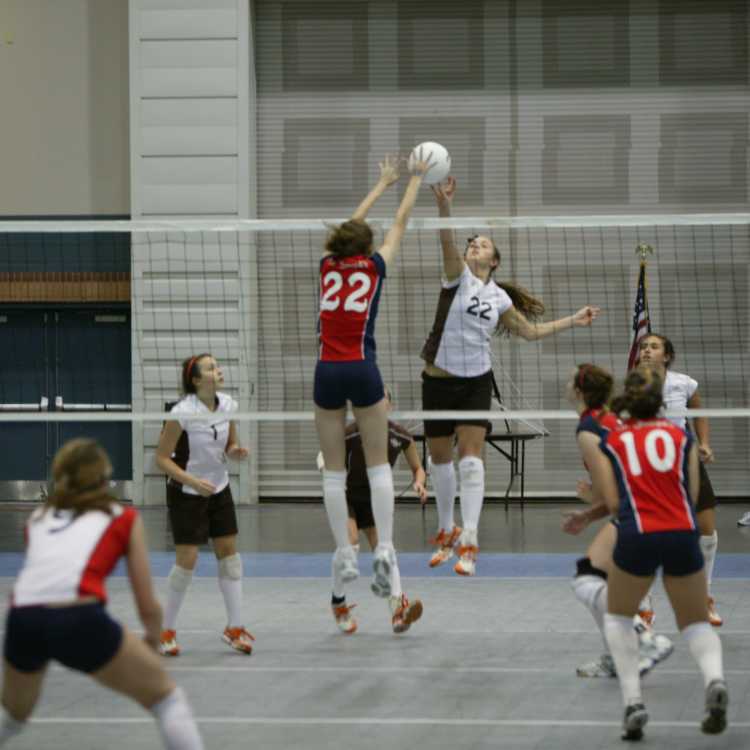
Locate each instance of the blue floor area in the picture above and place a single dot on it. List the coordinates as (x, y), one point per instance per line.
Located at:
(490, 565)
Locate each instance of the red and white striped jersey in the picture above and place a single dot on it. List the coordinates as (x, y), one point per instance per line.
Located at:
(69, 557)
(650, 460)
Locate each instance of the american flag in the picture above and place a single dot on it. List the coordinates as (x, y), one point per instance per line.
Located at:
(641, 319)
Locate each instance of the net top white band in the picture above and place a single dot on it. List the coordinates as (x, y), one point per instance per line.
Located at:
(294, 225)
(309, 416)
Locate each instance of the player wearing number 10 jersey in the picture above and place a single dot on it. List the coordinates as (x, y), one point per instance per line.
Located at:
(649, 480)
(351, 278)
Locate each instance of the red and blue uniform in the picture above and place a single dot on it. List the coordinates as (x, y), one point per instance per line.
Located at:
(657, 524)
(349, 297)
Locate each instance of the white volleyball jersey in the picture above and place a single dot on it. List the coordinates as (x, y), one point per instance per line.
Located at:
(200, 449)
(69, 557)
(677, 390)
(467, 315)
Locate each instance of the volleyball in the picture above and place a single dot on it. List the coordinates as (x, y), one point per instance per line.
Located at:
(439, 157)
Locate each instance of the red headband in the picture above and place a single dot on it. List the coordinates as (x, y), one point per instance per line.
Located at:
(190, 366)
(581, 374)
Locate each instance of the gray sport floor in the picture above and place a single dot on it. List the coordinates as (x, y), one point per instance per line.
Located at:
(490, 665)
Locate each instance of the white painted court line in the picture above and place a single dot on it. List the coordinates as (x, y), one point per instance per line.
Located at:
(407, 721)
(366, 669)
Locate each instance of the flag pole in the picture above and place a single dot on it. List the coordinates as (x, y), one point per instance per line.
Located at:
(643, 250)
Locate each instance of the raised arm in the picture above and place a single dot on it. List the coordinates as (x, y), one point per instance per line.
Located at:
(396, 232)
(520, 326)
(388, 175)
(453, 262)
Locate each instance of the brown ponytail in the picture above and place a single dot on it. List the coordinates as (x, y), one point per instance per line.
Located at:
(81, 471)
(523, 300)
(642, 397)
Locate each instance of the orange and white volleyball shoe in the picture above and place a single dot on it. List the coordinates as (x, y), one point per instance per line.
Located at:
(168, 643)
(404, 613)
(467, 554)
(239, 639)
(445, 542)
(345, 621)
(713, 616)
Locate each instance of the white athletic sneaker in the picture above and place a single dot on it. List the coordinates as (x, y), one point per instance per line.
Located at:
(382, 565)
(604, 666)
(342, 613)
(467, 553)
(744, 520)
(653, 648)
(345, 561)
(633, 721)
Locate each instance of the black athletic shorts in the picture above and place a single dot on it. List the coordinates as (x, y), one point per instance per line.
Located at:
(83, 637)
(195, 518)
(678, 553)
(454, 394)
(706, 496)
(359, 505)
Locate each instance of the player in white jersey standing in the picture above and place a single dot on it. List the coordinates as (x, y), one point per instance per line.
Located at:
(458, 373)
(193, 453)
(681, 391)
(58, 609)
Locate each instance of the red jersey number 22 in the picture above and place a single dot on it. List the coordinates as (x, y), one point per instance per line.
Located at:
(359, 286)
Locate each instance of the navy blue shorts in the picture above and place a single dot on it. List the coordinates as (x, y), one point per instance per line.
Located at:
(83, 637)
(678, 553)
(339, 382)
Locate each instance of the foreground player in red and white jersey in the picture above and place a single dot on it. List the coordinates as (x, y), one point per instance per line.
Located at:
(589, 390)
(351, 277)
(58, 603)
(647, 473)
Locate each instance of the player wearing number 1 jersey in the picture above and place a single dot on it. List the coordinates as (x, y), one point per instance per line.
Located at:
(458, 374)
(647, 473)
(351, 278)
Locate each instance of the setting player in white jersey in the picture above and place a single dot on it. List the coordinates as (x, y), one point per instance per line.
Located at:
(58, 612)
(472, 307)
(681, 391)
(193, 453)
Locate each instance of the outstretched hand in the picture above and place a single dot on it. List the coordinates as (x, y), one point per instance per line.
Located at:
(586, 316)
(444, 191)
(389, 172)
(422, 164)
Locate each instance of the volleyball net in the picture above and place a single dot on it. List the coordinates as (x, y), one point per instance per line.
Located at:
(96, 317)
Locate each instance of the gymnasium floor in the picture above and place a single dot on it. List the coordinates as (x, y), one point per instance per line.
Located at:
(490, 665)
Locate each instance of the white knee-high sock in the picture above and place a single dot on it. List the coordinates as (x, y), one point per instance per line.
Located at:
(339, 587)
(176, 724)
(623, 645)
(646, 602)
(471, 472)
(709, 545)
(396, 581)
(178, 582)
(334, 498)
(382, 498)
(705, 646)
(230, 584)
(590, 588)
(9, 727)
(444, 481)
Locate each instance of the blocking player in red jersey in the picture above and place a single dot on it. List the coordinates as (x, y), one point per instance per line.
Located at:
(351, 277)
(58, 610)
(589, 390)
(647, 473)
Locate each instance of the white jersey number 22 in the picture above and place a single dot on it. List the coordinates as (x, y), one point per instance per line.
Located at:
(361, 287)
